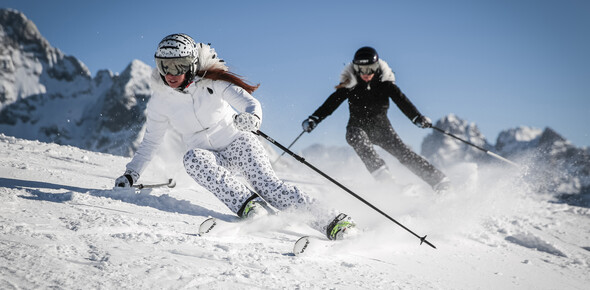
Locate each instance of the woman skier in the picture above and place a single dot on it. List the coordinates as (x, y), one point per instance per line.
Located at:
(196, 95)
(368, 83)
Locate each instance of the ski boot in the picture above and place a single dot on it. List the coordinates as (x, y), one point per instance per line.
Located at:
(254, 208)
(341, 226)
(383, 175)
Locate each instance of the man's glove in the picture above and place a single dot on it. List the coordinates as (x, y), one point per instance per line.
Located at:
(310, 123)
(127, 179)
(247, 122)
(422, 122)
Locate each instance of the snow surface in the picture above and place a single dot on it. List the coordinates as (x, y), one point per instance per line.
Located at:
(62, 226)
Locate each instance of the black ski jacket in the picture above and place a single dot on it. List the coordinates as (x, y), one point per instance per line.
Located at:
(368, 102)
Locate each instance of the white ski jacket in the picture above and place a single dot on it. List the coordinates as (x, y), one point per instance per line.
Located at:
(202, 114)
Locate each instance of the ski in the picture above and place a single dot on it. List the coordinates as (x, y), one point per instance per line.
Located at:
(207, 225)
(171, 183)
(301, 245)
(305, 243)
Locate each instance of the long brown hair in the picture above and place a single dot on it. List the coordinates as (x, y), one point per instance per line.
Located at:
(219, 74)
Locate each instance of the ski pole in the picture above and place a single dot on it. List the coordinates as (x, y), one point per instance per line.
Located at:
(302, 160)
(171, 183)
(289, 147)
(478, 147)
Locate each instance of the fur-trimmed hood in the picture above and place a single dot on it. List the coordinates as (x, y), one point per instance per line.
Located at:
(208, 58)
(348, 77)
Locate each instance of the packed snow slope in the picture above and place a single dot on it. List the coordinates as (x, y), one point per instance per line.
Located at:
(62, 226)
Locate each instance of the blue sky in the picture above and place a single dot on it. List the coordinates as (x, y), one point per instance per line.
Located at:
(499, 64)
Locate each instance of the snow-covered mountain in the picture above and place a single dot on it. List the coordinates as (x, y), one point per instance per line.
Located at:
(549, 162)
(445, 151)
(48, 96)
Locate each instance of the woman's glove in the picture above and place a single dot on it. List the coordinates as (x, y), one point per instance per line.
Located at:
(247, 122)
(422, 122)
(310, 123)
(127, 179)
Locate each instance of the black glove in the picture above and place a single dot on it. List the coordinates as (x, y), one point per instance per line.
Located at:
(127, 179)
(310, 123)
(422, 122)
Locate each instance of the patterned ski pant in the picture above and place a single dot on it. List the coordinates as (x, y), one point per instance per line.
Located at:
(217, 172)
(382, 134)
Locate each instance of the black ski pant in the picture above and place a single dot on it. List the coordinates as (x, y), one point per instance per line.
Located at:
(380, 132)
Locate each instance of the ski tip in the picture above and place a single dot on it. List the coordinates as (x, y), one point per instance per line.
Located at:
(207, 225)
(300, 245)
(171, 183)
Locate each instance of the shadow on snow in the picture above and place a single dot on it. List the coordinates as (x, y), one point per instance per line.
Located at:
(163, 202)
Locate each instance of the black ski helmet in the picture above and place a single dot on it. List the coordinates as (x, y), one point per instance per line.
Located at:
(365, 55)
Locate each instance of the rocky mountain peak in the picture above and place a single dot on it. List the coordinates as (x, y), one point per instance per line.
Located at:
(54, 98)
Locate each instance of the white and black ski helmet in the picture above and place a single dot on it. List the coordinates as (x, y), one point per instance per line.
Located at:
(365, 55)
(178, 46)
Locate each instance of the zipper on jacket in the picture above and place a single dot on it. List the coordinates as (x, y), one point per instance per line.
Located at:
(197, 118)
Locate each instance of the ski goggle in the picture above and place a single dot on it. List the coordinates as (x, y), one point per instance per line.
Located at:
(366, 69)
(174, 66)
